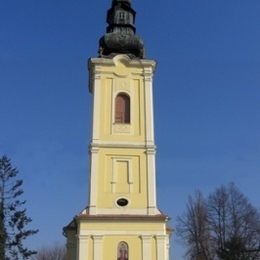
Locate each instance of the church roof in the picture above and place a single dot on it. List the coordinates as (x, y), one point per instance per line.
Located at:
(120, 37)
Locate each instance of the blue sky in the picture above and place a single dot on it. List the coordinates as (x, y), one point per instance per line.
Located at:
(206, 95)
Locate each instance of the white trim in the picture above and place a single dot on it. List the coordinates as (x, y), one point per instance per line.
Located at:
(129, 170)
(151, 182)
(161, 247)
(132, 115)
(126, 210)
(113, 96)
(149, 117)
(82, 252)
(146, 246)
(93, 180)
(151, 233)
(98, 252)
(122, 144)
(96, 89)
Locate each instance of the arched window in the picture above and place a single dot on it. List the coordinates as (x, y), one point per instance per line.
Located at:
(122, 109)
(122, 251)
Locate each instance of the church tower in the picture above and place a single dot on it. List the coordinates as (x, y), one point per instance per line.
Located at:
(121, 221)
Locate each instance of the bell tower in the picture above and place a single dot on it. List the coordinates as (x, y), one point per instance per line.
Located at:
(121, 221)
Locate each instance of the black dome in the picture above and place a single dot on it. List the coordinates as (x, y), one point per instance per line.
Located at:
(120, 36)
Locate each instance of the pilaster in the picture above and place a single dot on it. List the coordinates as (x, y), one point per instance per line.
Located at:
(148, 87)
(93, 180)
(98, 250)
(152, 209)
(146, 247)
(96, 90)
(82, 252)
(161, 247)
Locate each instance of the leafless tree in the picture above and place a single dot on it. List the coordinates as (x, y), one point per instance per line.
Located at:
(234, 224)
(225, 226)
(193, 229)
(54, 252)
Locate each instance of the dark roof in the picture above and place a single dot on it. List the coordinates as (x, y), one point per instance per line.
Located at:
(120, 37)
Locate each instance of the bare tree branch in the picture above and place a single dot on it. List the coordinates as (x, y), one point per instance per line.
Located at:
(225, 226)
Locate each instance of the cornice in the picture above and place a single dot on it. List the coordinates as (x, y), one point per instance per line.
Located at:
(95, 146)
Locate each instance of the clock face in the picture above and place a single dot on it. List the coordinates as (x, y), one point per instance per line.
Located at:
(122, 202)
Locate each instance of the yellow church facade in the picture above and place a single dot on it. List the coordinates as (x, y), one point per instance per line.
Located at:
(121, 221)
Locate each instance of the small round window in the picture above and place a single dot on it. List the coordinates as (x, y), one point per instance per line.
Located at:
(122, 202)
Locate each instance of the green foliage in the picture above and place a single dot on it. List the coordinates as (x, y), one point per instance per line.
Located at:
(13, 218)
(2, 233)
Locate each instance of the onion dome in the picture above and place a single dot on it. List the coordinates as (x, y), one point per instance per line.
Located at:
(120, 37)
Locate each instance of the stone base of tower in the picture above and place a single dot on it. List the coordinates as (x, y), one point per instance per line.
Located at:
(118, 237)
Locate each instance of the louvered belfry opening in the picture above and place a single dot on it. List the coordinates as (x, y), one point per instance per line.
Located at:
(122, 109)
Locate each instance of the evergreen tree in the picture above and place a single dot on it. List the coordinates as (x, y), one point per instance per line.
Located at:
(2, 233)
(13, 218)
